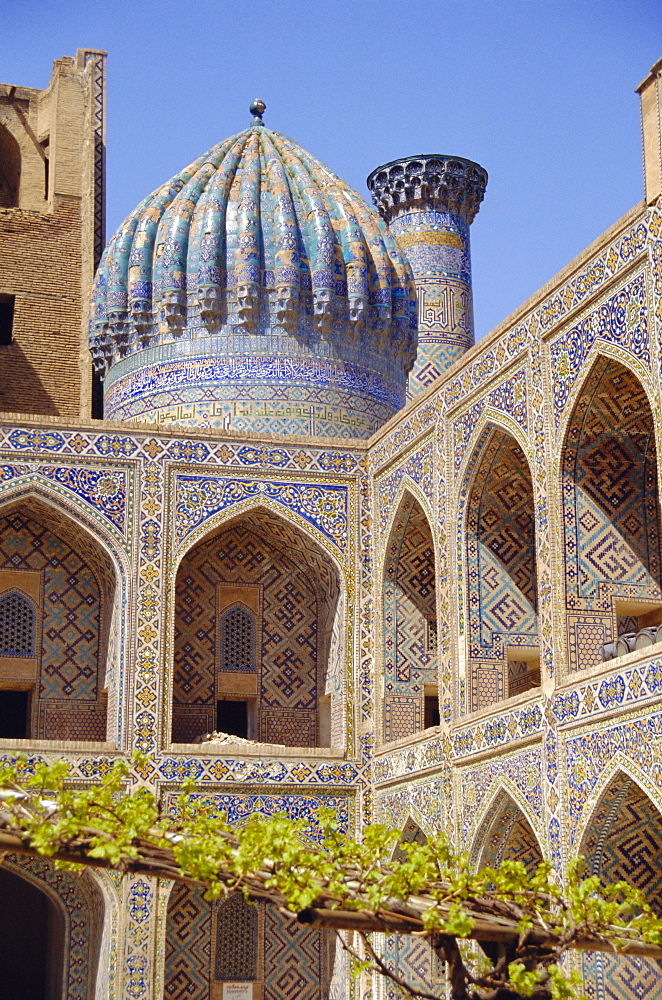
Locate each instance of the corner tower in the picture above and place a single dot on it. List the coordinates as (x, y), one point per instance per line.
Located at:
(255, 291)
(428, 203)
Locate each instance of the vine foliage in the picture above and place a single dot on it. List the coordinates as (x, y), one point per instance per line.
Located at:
(522, 924)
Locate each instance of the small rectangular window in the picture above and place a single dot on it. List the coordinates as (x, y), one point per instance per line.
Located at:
(232, 718)
(45, 151)
(14, 715)
(6, 319)
(431, 706)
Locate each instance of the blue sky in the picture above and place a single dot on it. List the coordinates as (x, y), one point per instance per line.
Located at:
(539, 92)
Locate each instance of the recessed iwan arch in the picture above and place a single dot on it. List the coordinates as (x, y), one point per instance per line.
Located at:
(410, 700)
(498, 570)
(77, 576)
(622, 841)
(295, 592)
(505, 833)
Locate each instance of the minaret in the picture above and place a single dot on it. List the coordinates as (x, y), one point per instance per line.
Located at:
(428, 203)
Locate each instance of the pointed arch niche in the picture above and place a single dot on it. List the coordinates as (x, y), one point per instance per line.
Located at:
(258, 643)
(411, 702)
(54, 926)
(506, 835)
(611, 515)
(58, 619)
(414, 956)
(501, 582)
(231, 940)
(623, 841)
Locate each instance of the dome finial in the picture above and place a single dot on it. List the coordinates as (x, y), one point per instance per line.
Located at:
(257, 109)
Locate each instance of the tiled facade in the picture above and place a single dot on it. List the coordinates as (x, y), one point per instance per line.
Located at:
(478, 549)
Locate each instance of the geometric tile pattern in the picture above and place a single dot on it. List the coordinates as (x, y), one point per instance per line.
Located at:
(236, 939)
(293, 959)
(188, 945)
(409, 608)
(501, 567)
(71, 614)
(610, 504)
(509, 837)
(287, 664)
(624, 842)
(501, 548)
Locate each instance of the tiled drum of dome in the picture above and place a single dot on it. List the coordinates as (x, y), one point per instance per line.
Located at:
(409, 607)
(624, 842)
(69, 705)
(288, 656)
(611, 507)
(501, 567)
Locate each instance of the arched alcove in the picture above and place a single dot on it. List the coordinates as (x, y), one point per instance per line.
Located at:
(10, 169)
(58, 690)
(611, 513)
(31, 940)
(261, 576)
(623, 841)
(409, 616)
(231, 940)
(407, 954)
(53, 923)
(505, 834)
(501, 580)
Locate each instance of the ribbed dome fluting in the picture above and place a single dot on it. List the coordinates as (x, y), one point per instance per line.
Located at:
(255, 290)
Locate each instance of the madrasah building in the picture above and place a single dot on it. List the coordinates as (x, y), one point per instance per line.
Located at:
(413, 578)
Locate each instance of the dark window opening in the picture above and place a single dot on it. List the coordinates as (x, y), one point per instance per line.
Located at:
(6, 319)
(431, 711)
(14, 715)
(97, 396)
(44, 146)
(232, 718)
(26, 933)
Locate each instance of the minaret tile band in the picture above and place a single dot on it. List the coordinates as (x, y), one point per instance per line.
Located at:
(429, 202)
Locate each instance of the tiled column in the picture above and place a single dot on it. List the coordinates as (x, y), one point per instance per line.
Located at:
(428, 203)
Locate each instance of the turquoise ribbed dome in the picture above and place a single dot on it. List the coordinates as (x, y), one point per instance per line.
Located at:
(256, 250)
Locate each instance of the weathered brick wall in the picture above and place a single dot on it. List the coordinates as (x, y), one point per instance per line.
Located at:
(40, 263)
(47, 241)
